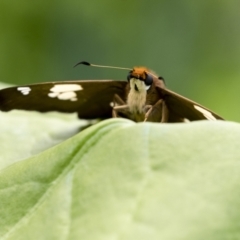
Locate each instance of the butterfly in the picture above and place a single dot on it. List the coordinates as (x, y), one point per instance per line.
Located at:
(142, 97)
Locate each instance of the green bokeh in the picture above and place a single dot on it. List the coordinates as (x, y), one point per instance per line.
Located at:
(193, 44)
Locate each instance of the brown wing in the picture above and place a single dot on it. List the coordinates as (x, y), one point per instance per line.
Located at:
(181, 108)
(90, 98)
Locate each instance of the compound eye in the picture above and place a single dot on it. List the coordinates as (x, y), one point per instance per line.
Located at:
(148, 80)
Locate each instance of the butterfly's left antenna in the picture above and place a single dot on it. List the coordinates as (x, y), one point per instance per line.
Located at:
(94, 65)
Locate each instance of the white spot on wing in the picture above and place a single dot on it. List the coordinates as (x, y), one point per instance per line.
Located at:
(53, 94)
(24, 90)
(66, 88)
(111, 104)
(65, 91)
(67, 95)
(205, 113)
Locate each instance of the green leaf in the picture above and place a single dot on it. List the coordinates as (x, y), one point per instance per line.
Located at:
(24, 134)
(121, 180)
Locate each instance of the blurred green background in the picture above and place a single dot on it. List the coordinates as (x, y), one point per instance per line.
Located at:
(194, 45)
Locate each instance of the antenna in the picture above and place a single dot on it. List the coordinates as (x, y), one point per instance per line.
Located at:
(100, 66)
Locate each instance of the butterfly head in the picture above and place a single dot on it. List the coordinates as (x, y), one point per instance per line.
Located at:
(140, 79)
